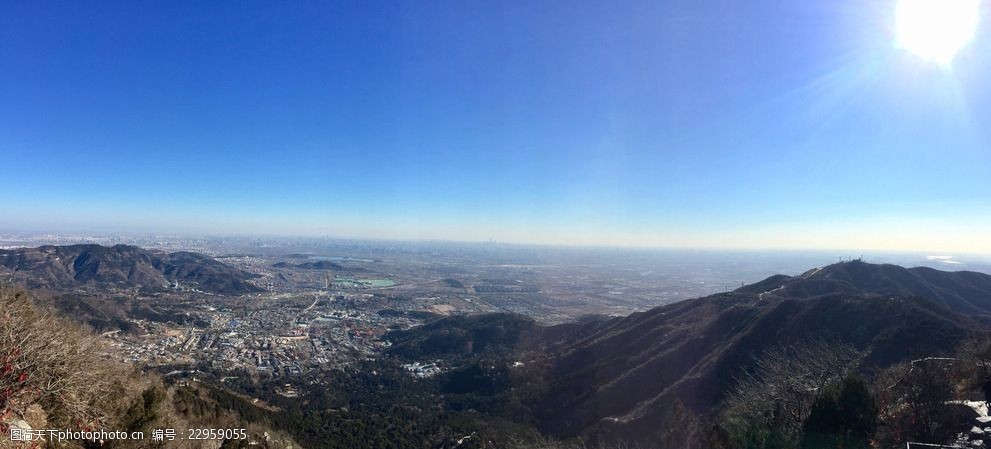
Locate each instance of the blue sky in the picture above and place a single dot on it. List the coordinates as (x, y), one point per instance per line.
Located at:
(760, 124)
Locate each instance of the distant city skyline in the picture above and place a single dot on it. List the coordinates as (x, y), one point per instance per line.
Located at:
(757, 125)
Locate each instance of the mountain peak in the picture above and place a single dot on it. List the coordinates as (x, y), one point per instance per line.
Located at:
(960, 291)
(92, 265)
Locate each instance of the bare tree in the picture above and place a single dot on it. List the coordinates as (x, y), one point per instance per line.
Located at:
(48, 361)
(974, 367)
(917, 400)
(784, 383)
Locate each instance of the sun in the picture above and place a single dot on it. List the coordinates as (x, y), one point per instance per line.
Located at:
(935, 30)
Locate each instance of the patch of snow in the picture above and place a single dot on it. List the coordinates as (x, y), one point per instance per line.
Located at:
(761, 296)
(979, 407)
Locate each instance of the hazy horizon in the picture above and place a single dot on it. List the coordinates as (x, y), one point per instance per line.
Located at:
(83, 235)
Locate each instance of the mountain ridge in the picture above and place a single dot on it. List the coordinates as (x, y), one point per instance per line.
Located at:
(628, 375)
(622, 379)
(122, 266)
(964, 292)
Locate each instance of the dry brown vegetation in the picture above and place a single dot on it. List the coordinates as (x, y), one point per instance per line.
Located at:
(54, 374)
(786, 381)
(47, 361)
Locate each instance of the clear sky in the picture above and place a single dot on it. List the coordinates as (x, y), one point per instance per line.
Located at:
(744, 124)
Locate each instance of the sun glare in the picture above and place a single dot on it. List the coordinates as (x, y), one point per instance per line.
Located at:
(935, 30)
